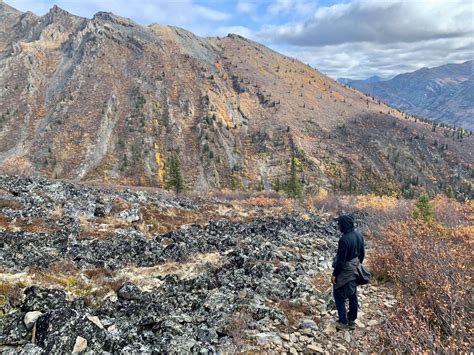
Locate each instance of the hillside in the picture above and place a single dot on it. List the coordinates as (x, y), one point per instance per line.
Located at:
(442, 94)
(108, 100)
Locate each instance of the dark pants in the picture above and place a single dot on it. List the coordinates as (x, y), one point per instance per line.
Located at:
(340, 300)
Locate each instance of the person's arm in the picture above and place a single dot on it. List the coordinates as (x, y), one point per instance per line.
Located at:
(362, 249)
(340, 257)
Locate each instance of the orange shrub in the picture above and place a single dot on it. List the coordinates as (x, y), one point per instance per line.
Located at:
(431, 267)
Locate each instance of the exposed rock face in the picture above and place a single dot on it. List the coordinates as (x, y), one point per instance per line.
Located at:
(444, 94)
(107, 99)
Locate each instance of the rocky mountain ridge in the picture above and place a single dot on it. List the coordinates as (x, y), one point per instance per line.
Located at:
(442, 94)
(108, 100)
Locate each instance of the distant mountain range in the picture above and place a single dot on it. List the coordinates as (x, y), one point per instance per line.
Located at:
(106, 99)
(443, 94)
(352, 82)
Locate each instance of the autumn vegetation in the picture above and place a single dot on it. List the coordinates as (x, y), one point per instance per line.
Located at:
(425, 253)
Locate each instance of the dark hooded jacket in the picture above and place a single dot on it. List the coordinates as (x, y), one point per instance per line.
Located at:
(350, 246)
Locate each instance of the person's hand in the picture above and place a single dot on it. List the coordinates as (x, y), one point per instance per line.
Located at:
(333, 279)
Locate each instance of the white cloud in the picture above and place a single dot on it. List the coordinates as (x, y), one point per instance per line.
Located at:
(291, 7)
(375, 21)
(246, 7)
(210, 14)
(362, 60)
(366, 37)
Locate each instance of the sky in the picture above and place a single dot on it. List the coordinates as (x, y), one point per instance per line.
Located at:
(346, 38)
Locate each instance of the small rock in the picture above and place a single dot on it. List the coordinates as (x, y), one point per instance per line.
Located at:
(347, 337)
(308, 324)
(293, 351)
(341, 347)
(330, 329)
(312, 348)
(43, 299)
(95, 320)
(303, 338)
(372, 322)
(130, 215)
(322, 308)
(30, 349)
(129, 291)
(31, 318)
(80, 345)
(267, 338)
(206, 334)
(285, 336)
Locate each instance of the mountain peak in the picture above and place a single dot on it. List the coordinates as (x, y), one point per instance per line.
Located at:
(110, 17)
(56, 10)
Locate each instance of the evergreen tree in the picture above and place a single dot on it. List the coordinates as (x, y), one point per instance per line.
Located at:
(277, 184)
(423, 209)
(174, 178)
(294, 188)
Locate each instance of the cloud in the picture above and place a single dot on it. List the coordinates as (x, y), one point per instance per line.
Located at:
(291, 7)
(362, 60)
(211, 14)
(375, 21)
(246, 7)
(361, 38)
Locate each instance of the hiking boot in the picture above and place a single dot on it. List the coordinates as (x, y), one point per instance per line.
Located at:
(351, 325)
(341, 326)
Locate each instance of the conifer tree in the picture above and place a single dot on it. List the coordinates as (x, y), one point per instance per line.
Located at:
(277, 184)
(423, 209)
(294, 188)
(174, 178)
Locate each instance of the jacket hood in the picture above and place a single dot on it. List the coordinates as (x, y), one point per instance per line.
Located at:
(346, 222)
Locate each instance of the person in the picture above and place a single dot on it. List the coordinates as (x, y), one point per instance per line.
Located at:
(350, 253)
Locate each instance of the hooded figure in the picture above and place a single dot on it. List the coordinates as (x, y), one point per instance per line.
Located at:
(350, 253)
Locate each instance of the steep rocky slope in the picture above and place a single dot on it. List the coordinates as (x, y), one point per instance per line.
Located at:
(443, 94)
(109, 100)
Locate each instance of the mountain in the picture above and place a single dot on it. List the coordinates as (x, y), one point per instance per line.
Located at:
(108, 100)
(442, 94)
(372, 79)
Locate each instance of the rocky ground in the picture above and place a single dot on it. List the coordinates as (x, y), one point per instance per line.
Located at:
(91, 269)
